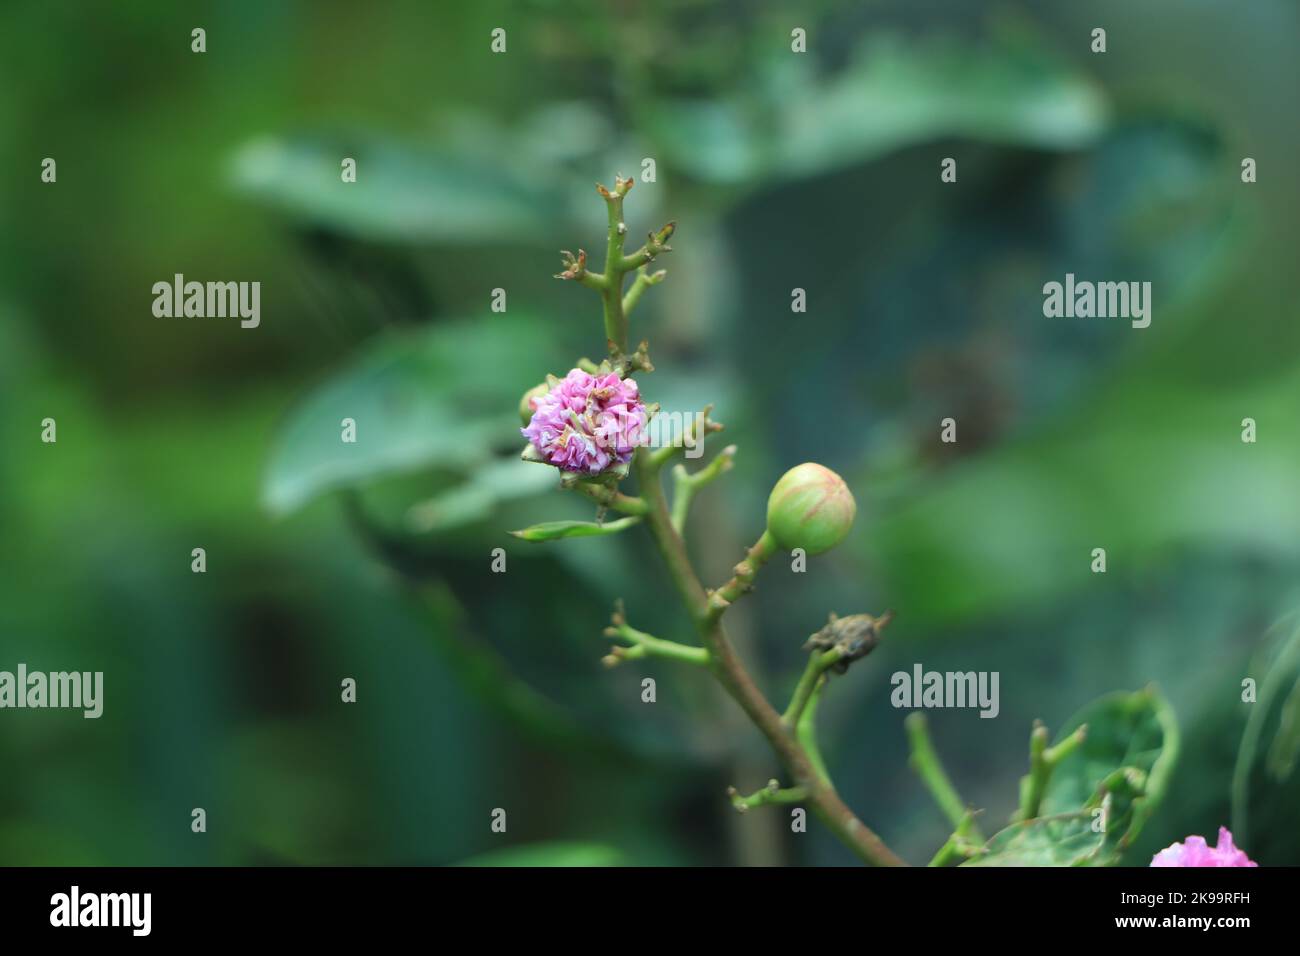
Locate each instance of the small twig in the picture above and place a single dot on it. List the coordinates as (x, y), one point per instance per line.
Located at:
(796, 751)
(743, 580)
(656, 243)
(806, 731)
(770, 794)
(925, 761)
(1042, 761)
(644, 280)
(642, 644)
(964, 843)
(575, 269)
(686, 484)
(691, 437)
(818, 663)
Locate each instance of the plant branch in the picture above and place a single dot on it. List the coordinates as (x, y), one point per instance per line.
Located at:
(575, 269)
(646, 645)
(925, 761)
(644, 280)
(686, 484)
(1042, 761)
(735, 680)
(795, 747)
(818, 663)
(656, 243)
(609, 284)
(743, 580)
(691, 437)
(962, 845)
(770, 794)
(612, 292)
(806, 729)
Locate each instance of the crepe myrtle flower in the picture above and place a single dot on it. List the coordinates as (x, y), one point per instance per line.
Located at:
(1196, 852)
(586, 423)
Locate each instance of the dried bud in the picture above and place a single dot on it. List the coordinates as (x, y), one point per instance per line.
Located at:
(854, 637)
(811, 508)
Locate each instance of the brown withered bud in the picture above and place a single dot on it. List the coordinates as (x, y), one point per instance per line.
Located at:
(854, 637)
(574, 267)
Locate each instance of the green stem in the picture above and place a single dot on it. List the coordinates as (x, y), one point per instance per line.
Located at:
(818, 662)
(925, 761)
(643, 281)
(735, 680)
(770, 794)
(691, 437)
(610, 283)
(806, 730)
(685, 484)
(611, 290)
(1042, 761)
(743, 580)
(655, 244)
(961, 846)
(647, 645)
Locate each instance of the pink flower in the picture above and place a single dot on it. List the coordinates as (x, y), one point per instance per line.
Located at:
(587, 423)
(1195, 852)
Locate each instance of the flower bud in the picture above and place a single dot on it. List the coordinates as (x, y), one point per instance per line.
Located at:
(526, 406)
(811, 508)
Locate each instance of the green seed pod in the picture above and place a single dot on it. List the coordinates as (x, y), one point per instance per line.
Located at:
(811, 508)
(525, 403)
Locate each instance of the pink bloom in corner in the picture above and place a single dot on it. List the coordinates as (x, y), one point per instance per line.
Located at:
(587, 423)
(1196, 852)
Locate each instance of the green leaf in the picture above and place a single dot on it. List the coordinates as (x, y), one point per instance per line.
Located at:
(550, 854)
(554, 530)
(478, 496)
(894, 93)
(1126, 760)
(1265, 784)
(446, 396)
(1063, 840)
(997, 527)
(402, 193)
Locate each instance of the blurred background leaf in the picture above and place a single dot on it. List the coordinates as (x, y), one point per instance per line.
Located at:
(400, 195)
(1265, 785)
(446, 397)
(550, 854)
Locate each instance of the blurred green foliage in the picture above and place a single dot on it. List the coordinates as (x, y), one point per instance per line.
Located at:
(820, 171)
